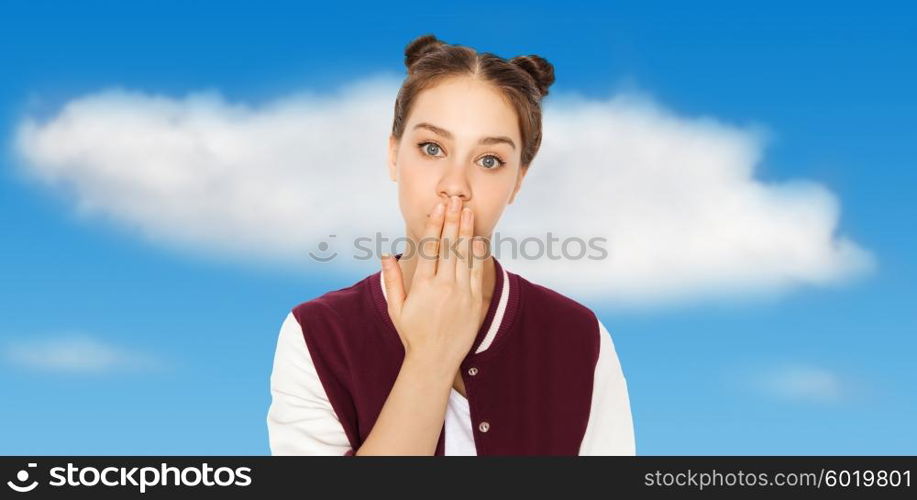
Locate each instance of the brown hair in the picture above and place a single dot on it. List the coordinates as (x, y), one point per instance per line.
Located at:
(524, 81)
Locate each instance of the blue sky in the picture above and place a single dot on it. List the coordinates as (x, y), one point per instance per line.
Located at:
(186, 335)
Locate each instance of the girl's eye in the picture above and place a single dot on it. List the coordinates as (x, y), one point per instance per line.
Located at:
(493, 163)
(430, 148)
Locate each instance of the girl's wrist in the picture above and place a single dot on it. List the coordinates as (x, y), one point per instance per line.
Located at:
(431, 368)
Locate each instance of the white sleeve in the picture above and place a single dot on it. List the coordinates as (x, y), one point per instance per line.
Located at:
(610, 430)
(301, 420)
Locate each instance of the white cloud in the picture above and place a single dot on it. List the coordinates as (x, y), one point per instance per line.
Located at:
(805, 383)
(675, 198)
(76, 353)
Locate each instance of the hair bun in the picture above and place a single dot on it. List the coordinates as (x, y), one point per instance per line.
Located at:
(541, 70)
(419, 47)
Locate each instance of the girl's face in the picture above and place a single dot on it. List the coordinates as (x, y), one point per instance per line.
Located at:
(461, 139)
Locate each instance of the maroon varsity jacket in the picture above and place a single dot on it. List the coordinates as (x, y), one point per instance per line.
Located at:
(548, 382)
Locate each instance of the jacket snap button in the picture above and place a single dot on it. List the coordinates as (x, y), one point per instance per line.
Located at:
(484, 426)
(472, 371)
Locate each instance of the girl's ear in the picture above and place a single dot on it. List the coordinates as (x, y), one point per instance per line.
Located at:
(392, 154)
(519, 179)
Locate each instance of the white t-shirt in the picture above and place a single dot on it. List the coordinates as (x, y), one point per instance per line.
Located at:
(301, 420)
(459, 434)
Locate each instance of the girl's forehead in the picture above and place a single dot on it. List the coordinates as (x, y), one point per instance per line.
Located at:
(467, 113)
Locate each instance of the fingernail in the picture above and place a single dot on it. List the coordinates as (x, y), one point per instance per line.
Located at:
(466, 215)
(439, 209)
(454, 204)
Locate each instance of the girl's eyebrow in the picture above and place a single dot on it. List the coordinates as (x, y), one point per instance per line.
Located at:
(448, 135)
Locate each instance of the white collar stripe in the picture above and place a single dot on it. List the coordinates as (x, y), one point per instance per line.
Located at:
(498, 315)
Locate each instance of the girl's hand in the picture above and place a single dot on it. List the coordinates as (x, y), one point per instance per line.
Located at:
(440, 319)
